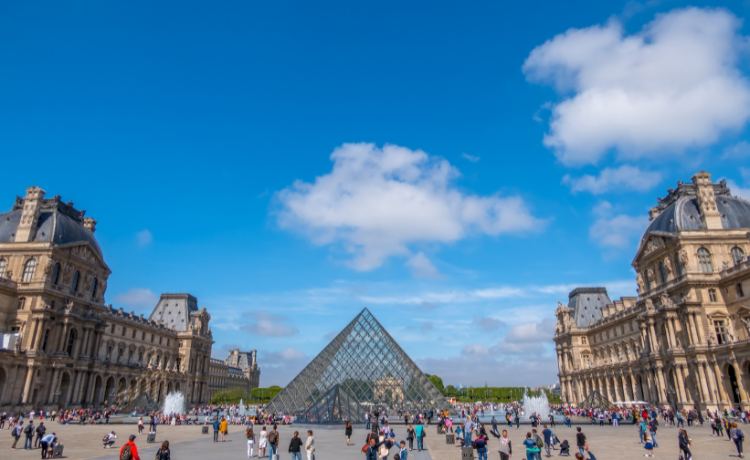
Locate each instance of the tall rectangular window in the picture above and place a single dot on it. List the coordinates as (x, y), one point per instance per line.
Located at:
(721, 332)
(712, 295)
(46, 338)
(740, 292)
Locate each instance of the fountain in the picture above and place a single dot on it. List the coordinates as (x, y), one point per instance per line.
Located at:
(174, 403)
(536, 404)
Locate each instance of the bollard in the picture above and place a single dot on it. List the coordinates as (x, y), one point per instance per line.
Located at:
(151, 437)
(204, 430)
(450, 438)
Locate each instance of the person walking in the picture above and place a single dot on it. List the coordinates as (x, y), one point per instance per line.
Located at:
(262, 442)
(481, 446)
(273, 443)
(310, 445)
(547, 434)
(250, 440)
(648, 445)
(531, 447)
(46, 442)
(505, 448)
(295, 445)
(29, 432)
(652, 426)
(348, 431)
(494, 428)
(129, 451)
(738, 436)
(410, 437)
(684, 443)
(580, 440)
(419, 433)
(371, 453)
(16, 433)
(163, 453)
(140, 425)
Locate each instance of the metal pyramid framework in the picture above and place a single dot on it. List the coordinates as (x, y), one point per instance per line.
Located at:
(595, 400)
(362, 369)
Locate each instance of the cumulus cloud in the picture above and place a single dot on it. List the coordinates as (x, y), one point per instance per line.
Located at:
(376, 202)
(471, 158)
(137, 298)
(144, 238)
(615, 230)
(486, 323)
(673, 85)
(623, 179)
(267, 324)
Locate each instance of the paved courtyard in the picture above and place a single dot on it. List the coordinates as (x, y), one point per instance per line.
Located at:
(186, 442)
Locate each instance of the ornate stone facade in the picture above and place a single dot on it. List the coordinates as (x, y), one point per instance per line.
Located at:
(240, 372)
(685, 340)
(61, 346)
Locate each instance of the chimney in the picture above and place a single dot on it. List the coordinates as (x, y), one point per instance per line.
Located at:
(32, 204)
(704, 190)
(89, 224)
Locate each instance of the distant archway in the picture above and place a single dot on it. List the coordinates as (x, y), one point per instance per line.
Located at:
(64, 388)
(733, 384)
(96, 400)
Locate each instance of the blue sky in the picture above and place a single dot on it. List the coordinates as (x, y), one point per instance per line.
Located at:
(455, 168)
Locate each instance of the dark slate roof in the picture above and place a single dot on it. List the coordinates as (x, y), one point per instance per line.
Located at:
(58, 223)
(587, 304)
(174, 310)
(679, 211)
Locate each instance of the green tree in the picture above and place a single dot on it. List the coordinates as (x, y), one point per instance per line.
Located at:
(438, 382)
(452, 392)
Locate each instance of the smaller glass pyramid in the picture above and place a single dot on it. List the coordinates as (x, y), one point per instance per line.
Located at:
(362, 369)
(597, 401)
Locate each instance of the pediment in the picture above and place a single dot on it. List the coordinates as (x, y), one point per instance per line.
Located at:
(86, 252)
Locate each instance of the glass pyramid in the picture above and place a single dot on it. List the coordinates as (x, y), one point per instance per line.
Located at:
(597, 401)
(362, 369)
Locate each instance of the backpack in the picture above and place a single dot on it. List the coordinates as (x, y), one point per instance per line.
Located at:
(539, 442)
(272, 438)
(126, 454)
(29, 429)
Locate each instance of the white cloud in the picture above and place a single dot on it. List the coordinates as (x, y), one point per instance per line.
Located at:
(287, 354)
(376, 202)
(671, 86)
(622, 179)
(268, 324)
(476, 349)
(421, 267)
(137, 298)
(487, 323)
(737, 151)
(144, 238)
(471, 158)
(617, 231)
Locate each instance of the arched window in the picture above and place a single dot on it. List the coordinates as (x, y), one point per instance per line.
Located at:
(56, 274)
(738, 255)
(28, 270)
(663, 272)
(74, 286)
(93, 287)
(704, 260)
(71, 342)
(3, 266)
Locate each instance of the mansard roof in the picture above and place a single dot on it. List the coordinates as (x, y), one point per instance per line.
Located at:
(587, 304)
(174, 310)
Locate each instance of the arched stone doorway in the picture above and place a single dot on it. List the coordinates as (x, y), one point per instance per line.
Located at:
(673, 395)
(62, 399)
(169, 388)
(109, 392)
(177, 386)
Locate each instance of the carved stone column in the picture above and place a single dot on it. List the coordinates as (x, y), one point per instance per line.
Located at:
(740, 384)
(694, 339)
(707, 377)
(661, 386)
(699, 326)
(723, 397)
(27, 385)
(652, 337)
(671, 332)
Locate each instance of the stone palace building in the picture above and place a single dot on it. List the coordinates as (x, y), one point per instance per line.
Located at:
(685, 340)
(61, 346)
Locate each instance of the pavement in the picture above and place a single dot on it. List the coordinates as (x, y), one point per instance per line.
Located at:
(187, 443)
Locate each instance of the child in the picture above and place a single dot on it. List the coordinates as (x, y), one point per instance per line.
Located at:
(649, 446)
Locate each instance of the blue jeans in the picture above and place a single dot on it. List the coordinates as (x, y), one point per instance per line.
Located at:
(482, 453)
(296, 456)
(420, 441)
(27, 444)
(467, 438)
(367, 425)
(653, 439)
(271, 451)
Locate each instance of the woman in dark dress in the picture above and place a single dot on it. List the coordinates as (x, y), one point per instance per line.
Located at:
(348, 431)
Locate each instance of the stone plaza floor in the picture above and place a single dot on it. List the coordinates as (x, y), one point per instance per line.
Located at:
(187, 443)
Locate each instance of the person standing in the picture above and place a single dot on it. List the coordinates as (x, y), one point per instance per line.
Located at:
(163, 453)
(738, 436)
(652, 424)
(648, 445)
(153, 423)
(531, 448)
(348, 431)
(367, 420)
(403, 453)
(29, 432)
(505, 448)
(223, 429)
(310, 445)
(250, 440)
(410, 437)
(481, 446)
(16, 433)
(580, 440)
(217, 425)
(40, 431)
(468, 431)
(140, 425)
(371, 453)
(262, 442)
(295, 445)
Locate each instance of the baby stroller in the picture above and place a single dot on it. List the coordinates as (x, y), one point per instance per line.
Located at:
(564, 448)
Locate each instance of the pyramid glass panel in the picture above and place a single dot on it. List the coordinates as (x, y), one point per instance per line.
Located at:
(362, 369)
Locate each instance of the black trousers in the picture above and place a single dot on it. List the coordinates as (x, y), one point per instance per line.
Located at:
(44, 449)
(216, 435)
